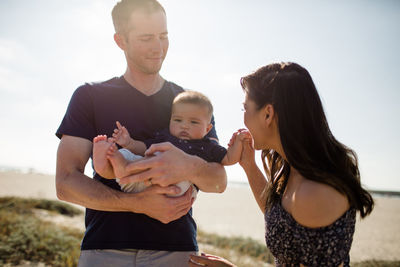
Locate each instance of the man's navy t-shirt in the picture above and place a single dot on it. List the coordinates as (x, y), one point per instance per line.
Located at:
(93, 110)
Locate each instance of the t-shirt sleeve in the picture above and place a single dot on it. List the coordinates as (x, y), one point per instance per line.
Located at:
(79, 118)
(216, 152)
(155, 140)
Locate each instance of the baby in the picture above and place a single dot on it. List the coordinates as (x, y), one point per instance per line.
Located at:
(189, 124)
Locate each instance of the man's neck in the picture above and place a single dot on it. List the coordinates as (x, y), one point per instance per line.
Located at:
(148, 84)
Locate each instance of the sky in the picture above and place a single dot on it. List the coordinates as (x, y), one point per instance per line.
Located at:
(351, 48)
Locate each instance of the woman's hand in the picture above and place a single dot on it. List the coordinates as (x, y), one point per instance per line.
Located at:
(209, 260)
(247, 159)
(235, 147)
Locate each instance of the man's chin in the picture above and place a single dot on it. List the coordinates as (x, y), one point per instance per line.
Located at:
(150, 68)
(152, 71)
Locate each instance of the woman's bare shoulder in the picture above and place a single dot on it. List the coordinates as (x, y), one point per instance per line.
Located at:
(318, 205)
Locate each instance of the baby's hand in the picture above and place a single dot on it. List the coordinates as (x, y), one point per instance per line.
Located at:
(121, 135)
(239, 140)
(233, 138)
(240, 135)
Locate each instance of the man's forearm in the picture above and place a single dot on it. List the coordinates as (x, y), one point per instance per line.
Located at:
(167, 165)
(79, 189)
(209, 176)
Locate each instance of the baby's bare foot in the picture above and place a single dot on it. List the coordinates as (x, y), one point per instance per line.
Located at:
(118, 161)
(100, 148)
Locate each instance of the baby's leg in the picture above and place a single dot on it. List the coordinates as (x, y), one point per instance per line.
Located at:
(118, 161)
(100, 162)
(120, 165)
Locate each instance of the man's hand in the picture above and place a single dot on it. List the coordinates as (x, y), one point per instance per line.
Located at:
(165, 164)
(170, 165)
(154, 203)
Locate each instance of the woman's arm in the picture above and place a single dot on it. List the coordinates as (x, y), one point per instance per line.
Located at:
(256, 178)
(258, 184)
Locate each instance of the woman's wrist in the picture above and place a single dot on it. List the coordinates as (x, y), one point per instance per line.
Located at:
(249, 166)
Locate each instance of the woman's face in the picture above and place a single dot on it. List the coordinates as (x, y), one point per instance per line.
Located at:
(254, 121)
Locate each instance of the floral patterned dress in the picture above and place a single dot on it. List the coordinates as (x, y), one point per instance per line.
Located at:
(293, 244)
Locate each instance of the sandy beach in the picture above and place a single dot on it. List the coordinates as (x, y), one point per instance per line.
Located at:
(235, 213)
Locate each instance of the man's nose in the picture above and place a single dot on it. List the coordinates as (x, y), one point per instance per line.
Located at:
(157, 45)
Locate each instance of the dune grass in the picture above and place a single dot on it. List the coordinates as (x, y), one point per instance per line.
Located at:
(251, 248)
(25, 237)
(25, 205)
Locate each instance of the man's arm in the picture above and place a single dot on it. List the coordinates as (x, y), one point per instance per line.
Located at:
(73, 186)
(172, 165)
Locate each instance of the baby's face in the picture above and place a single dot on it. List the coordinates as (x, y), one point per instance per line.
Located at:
(189, 121)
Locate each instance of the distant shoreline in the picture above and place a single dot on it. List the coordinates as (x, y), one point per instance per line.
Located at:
(383, 193)
(375, 193)
(233, 183)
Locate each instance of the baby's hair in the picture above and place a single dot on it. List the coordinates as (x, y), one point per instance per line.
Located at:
(196, 98)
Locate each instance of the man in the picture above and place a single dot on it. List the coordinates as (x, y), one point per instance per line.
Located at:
(146, 228)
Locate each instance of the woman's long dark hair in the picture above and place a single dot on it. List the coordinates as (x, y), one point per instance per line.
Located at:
(306, 139)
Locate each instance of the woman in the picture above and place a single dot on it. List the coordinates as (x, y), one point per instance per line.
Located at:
(312, 191)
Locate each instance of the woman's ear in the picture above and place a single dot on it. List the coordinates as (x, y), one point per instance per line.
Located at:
(269, 113)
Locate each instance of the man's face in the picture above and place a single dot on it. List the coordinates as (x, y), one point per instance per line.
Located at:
(189, 121)
(146, 39)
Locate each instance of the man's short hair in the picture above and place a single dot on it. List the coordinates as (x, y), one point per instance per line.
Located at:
(196, 98)
(123, 10)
